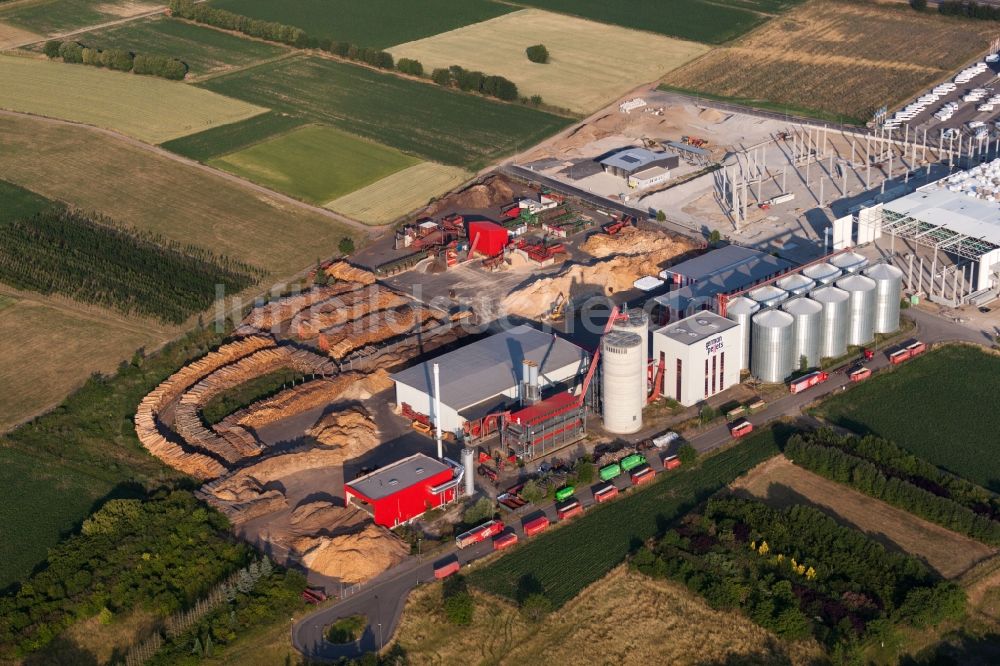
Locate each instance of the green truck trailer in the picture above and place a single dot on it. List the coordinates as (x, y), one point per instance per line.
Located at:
(632, 461)
(609, 472)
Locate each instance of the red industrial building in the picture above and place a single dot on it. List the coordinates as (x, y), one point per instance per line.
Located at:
(487, 238)
(403, 490)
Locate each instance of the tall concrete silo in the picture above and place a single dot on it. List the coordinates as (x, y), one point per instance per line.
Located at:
(622, 368)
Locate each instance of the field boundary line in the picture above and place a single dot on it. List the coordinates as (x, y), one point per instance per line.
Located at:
(214, 75)
(96, 26)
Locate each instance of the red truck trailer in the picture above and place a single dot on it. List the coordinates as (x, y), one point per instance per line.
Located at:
(642, 475)
(569, 510)
(488, 529)
(740, 428)
(536, 525)
(606, 492)
(671, 462)
(859, 374)
(899, 356)
(812, 379)
(916, 348)
(504, 541)
(446, 569)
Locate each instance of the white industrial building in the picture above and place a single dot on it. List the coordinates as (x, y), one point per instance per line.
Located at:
(701, 356)
(484, 376)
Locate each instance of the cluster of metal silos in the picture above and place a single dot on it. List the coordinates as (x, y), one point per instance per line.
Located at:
(637, 321)
(623, 371)
(832, 306)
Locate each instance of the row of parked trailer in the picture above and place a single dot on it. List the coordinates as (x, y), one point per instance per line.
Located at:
(945, 113)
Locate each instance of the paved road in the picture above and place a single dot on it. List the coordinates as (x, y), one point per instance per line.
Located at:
(382, 600)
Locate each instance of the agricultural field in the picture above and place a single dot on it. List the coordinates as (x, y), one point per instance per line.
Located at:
(204, 50)
(144, 107)
(11, 36)
(578, 76)
(781, 484)
(925, 406)
(708, 21)
(641, 608)
(52, 17)
(836, 60)
(376, 23)
(564, 561)
(233, 137)
(398, 194)
(158, 195)
(418, 118)
(17, 202)
(315, 163)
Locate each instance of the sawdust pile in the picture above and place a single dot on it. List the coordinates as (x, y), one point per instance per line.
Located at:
(631, 241)
(353, 557)
(712, 116)
(491, 192)
(350, 433)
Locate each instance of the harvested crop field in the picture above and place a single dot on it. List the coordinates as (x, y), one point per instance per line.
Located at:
(925, 406)
(614, 617)
(51, 17)
(580, 75)
(393, 196)
(145, 107)
(836, 59)
(315, 163)
(11, 36)
(205, 50)
(781, 483)
(377, 23)
(156, 194)
(417, 118)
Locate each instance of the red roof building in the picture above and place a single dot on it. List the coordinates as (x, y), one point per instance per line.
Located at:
(404, 490)
(488, 238)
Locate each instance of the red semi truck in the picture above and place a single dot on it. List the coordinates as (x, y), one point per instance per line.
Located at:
(812, 379)
(488, 529)
(536, 525)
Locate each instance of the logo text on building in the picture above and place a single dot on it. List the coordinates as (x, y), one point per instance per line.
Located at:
(713, 345)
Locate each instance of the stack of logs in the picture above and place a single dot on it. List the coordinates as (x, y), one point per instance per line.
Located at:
(275, 313)
(336, 311)
(371, 329)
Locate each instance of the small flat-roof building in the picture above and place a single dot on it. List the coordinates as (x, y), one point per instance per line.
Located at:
(485, 375)
(404, 490)
(700, 356)
(631, 161)
(654, 175)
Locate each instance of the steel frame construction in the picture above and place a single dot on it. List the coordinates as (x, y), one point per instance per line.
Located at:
(935, 236)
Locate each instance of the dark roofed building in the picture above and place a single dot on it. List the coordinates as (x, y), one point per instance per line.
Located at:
(630, 161)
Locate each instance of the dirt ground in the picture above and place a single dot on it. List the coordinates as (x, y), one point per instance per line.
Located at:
(780, 483)
(625, 618)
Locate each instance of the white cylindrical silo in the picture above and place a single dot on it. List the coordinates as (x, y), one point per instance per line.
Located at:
(740, 309)
(469, 467)
(849, 262)
(795, 284)
(888, 292)
(621, 370)
(808, 316)
(768, 296)
(861, 324)
(637, 321)
(772, 342)
(822, 273)
(835, 320)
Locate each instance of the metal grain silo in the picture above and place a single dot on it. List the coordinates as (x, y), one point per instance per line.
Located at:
(768, 296)
(621, 371)
(740, 309)
(835, 320)
(849, 262)
(861, 323)
(808, 316)
(822, 273)
(888, 292)
(637, 321)
(772, 343)
(795, 284)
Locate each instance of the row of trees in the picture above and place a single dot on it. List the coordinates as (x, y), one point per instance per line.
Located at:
(95, 260)
(837, 465)
(117, 59)
(473, 81)
(968, 8)
(221, 18)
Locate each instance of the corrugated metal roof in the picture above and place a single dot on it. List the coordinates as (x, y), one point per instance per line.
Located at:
(721, 274)
(954, 211)
(697, 327)
(634, 159)
(545, 408)
(399, 475)
(687, 148)
(722, 259)
(486, 368)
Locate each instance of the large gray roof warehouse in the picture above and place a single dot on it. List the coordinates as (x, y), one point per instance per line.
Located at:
(485, 370)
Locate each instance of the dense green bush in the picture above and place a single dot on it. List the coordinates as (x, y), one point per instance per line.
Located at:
(155, 65)
(118, 59)
(969, 8)
(51, 48)
(410, 66)
(479, 511)
(538, 53)
(456, 601)
(473, 81)
(71, 52)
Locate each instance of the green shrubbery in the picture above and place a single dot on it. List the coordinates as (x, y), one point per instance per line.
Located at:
(471, 81)
(456, 601)
(117, 59)
(410, 66)
(538, 53)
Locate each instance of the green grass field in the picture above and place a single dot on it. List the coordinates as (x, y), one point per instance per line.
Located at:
(937, 406)
(418, 118)
(315, 163)
(17, 203)
(563, 561)
(233, 137)
(378, 23)
(58, 16)
(203, 49)
(709, 21)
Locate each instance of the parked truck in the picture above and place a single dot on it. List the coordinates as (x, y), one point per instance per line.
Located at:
(504, 541)
(564, 493)
(535, 525)
(569, 510)
(609, 472)
(606, 492)
(859, 374)
(488, 529)
(642, 474)
(740, 428)
(445, 569)
(628, 463)
(807, 381)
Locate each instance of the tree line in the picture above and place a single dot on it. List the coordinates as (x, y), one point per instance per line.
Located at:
(116, 59)
(474, 81)
(814, 453)
(95, 260)
(969, 9)
(798, 572)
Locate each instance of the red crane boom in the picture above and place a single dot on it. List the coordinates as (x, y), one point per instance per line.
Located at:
(597, 355)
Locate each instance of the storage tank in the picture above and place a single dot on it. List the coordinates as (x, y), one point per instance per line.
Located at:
(637, 321)
(469, 467)
(772, 341)
(834, 321)
(768, 296)
(621, 370)
(795, 284)
(822, 273)
(849, 262)
(861, 323)
(888, 292)
(808, 316)
(740, 309)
